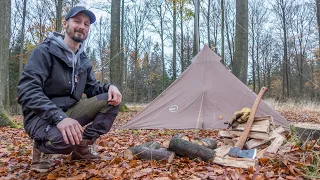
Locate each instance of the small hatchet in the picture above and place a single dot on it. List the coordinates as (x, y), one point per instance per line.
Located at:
(237, 151)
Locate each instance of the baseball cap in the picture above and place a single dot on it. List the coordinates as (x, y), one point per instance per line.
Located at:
(77, 9)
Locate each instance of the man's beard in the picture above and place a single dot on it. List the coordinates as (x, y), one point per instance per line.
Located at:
(73, 35)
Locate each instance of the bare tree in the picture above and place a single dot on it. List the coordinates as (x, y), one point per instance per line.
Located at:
(157, 21)
(58, 15)
(258, 16)
(137, 23)
(174, 41)
(5, 21)
(196, 38)
(115, 61)
(22, 34)
(183, 64)
(222, 31)
(240, 64)
(300, 28)
(281, 9)
(318, 18)
(230, 32)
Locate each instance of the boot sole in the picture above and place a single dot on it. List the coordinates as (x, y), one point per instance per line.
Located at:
(40, 170)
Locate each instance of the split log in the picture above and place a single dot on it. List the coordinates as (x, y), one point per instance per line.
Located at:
(166, 143)
(262, 118)
(223, 150)
(307, 131)
(276, 143)
(188, 149)
(234, 162)
(227, 141)
(257, 142)
(254, 128)
(255, 135)
(262, 122)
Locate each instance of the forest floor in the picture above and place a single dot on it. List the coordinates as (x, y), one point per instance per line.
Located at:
(296, 163)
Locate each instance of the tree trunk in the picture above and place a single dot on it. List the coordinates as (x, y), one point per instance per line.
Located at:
(123, 67)
(135, 68)
(285, 51)
(59, 16)
(222, 31)
(22, 44)
(252, 54)
(4, 50)
(188, 47)
(174, 60)
(183, 64)
(230, 46)
(100, 52)
(115, 61)
(162, 52)
(240, 64)
(208, 23)
(5, 21)
(257, 61)
(318, 19)
(196, 39)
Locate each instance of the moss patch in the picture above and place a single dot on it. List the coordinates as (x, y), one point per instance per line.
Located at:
(124, 108)
(5, 119)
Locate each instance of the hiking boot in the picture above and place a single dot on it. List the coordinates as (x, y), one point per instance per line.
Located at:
(85, 151)
(40, 161)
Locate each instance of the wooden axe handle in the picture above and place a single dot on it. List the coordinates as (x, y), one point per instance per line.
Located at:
(245, 133)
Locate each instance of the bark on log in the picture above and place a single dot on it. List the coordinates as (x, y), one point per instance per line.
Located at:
(188, 149)
(307, 131)
(147, 153)
(209, 143)
(131, 152)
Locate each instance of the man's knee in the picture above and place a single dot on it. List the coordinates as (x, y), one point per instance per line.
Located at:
(109, 109)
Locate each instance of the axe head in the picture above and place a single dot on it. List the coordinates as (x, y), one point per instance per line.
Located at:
(238, 153)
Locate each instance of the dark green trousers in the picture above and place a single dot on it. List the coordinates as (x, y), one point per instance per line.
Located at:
(95, 110)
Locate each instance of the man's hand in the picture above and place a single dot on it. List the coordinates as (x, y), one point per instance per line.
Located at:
(114, 96)
(70, 129)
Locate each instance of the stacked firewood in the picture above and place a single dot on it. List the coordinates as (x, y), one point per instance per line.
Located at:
(262, 131)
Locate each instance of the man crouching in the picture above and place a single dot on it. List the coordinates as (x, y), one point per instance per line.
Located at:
(52, 83)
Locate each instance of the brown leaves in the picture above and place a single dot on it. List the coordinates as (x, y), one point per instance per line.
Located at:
(15, 157)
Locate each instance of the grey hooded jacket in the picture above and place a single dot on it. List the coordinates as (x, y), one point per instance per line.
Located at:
(54, 79)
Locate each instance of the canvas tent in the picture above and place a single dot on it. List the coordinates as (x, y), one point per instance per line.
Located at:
(203, 97)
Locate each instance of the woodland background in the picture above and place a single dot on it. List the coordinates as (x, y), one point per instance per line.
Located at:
(142, 46)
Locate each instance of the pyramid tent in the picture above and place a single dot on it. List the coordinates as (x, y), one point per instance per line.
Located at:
(204, 97)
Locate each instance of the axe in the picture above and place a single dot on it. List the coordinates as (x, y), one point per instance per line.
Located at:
(237, 151)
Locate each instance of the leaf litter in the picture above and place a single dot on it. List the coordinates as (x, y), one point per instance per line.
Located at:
(292, 162)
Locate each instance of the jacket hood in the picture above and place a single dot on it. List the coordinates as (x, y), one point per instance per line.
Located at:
(73, 58)
(57, 39)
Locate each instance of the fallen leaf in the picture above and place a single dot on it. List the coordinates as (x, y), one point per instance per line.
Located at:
(142, 172)
(291, 177)
(51, 176)
(78, 177)
(219, 171)
(264, 161)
